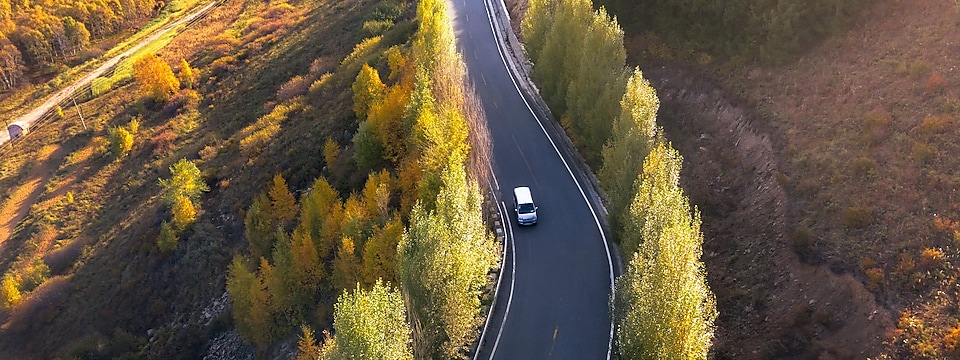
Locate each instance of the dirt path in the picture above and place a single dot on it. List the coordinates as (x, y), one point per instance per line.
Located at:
(25, 195)
(28, 119)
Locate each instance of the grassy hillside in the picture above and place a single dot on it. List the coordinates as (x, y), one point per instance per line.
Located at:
(94, 219)
(858, 255)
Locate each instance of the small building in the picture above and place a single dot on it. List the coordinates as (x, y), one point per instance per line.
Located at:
(15, 131)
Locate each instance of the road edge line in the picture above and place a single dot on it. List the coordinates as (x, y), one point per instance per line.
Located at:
(495, 28)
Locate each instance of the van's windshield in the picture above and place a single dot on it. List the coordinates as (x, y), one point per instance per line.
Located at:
(525, 208)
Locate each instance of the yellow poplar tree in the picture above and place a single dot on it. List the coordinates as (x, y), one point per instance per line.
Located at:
(367, 89)
(188, 76)
(370, 324)
(664, 308)
(155, 77)
(633, 134)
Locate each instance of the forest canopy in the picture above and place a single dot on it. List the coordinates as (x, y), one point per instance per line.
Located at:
(46, 34)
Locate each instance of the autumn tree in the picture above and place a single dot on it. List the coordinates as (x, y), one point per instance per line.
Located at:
(308, 269)
(11, 64)
(367, 89)
(259, 226)
(181, 192)
(168, 238)
(251, 304)
(388, 114)
(283, 205)
(368, 147)
(184, 213)
(380, 254)
(77, 34)
(663, 306)
(185, 180)
(346, 266)
(321, 218)
(331, 152)
(376, 197)
(277, 277)
(307, 347)
(187, 76)
(121, 141)
(370, 325)
(633, 133)
(579, 64)
(597, 83)
(155, 78)
(442, 262)
(9, 291)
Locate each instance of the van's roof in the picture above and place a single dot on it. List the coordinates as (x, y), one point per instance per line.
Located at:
(522, 193)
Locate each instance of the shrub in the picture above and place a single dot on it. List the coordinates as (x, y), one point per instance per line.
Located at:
(163, 142)
(167, 241)
(952, 341)
(874, 278)
(376, 27)
(930, 258)
(876, 127)
(864, 167)
(919, 70)
(183, 101)
(935, 124)
(921, 153)
(319, 83)
(121, 141)
(802, 239)
(9, 291)
(36, 274)
(906, 264)
(856, 217)
(935, 83)
(296, 86)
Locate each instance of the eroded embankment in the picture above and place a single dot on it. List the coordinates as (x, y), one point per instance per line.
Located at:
(771, 304)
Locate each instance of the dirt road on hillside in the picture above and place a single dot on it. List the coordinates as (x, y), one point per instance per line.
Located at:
(28, 119)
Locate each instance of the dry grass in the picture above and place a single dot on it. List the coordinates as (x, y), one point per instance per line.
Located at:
(111, 280)
(869, 118)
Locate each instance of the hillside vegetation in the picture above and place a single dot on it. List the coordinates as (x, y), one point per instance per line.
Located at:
(121, 252)
(416, 228)
(861, 115)
(745, 31)
(43, 37)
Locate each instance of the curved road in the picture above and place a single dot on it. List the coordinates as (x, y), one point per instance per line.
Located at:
(27, 120)
(553, 298)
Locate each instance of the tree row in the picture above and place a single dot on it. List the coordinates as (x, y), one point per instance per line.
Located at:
(663, 306)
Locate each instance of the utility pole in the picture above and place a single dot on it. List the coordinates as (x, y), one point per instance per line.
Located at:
(84, 123)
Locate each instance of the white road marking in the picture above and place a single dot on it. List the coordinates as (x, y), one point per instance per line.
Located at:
(513, 281)
(596, 219)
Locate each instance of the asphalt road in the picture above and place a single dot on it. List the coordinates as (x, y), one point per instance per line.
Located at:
(557, 274)
(27, 120)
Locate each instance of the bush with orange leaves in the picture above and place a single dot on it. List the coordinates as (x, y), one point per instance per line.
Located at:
(931, 258)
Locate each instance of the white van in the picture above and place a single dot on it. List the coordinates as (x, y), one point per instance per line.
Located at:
(523, 206)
